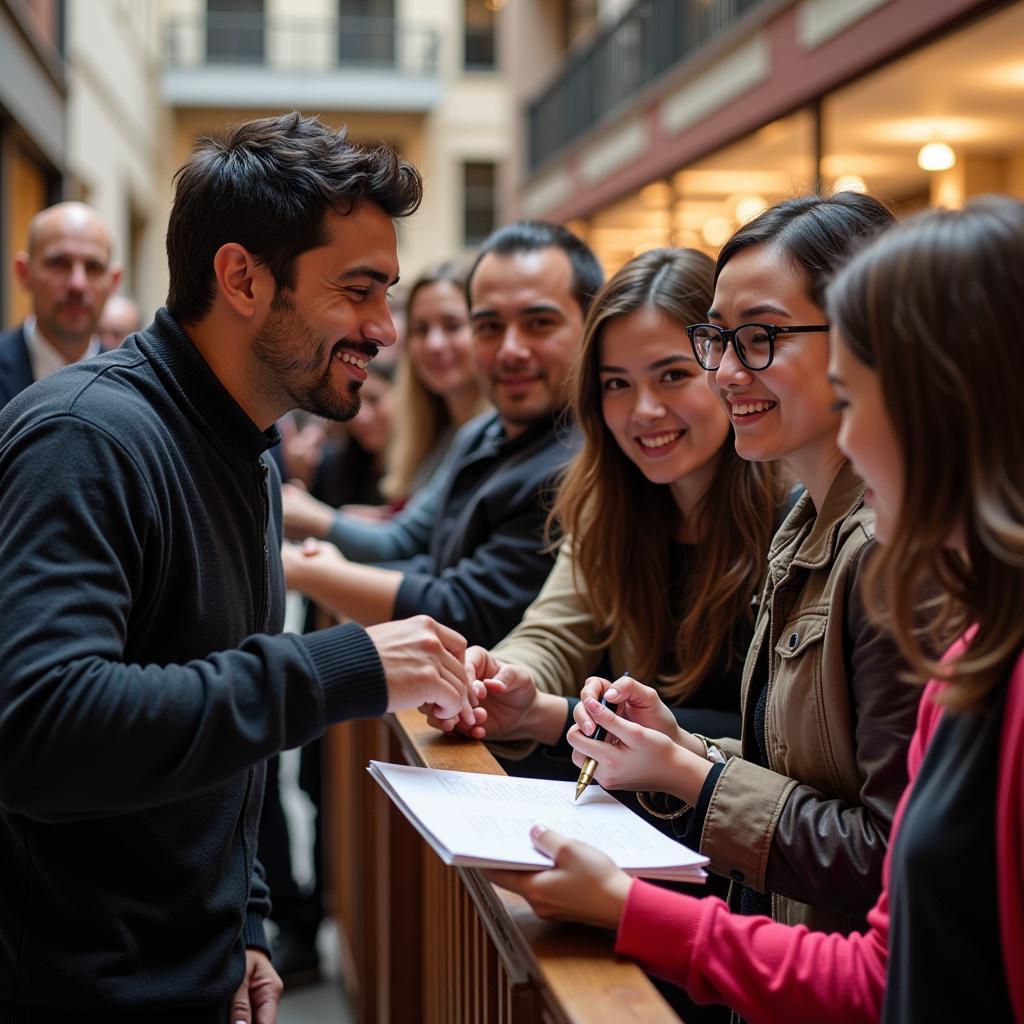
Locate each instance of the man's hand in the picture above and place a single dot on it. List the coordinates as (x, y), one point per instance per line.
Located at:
(423, 661)
(258, 996)
(303, 515)
(584, 885)
(507, 696)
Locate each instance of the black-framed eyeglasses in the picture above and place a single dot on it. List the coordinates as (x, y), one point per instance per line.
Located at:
(754, 343)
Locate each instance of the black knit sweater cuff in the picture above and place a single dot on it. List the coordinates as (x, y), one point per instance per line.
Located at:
(350, 671)
(253, 932)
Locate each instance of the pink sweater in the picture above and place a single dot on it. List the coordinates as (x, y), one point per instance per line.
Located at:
(773, 972)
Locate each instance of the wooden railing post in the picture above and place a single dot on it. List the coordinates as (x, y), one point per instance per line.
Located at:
(441, 945)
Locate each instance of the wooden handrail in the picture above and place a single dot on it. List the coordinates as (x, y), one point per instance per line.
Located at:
(442, 945)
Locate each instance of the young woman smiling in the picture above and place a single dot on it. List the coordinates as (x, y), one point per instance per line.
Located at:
(667, 527)
(797, 815)
(926, 318)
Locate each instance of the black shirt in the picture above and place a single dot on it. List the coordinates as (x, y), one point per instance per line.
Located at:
(945, 955)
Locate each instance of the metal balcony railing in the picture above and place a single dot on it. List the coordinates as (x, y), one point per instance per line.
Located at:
(296, 44)
(651, 37)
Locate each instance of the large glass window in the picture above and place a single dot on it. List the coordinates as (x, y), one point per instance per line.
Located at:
(478, 35)
(234, 31)
(962, 96)
(366, 32)
(702, 204)
(479, 201)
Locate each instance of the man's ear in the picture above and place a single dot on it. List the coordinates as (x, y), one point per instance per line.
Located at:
(244, 283)
(20, 265)
(116, 272)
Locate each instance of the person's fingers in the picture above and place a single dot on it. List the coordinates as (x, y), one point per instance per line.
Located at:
(454, 701)
(241, 1012)
(453, 641)
(310, 547)
(549, 842)
(631, 691)
(583, 721)
(613, 724)
(478, 661)
(515, 881)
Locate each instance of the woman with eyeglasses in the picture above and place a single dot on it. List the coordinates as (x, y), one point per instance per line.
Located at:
(797, 814)
(925, 319)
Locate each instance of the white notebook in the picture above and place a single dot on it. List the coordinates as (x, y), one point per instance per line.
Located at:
(484, 821)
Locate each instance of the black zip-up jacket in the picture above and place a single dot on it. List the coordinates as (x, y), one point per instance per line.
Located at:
(487, 558)
(141, 686)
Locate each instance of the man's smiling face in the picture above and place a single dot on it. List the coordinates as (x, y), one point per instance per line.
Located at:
(319, 335)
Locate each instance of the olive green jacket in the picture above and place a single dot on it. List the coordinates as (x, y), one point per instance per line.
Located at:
(813, 827)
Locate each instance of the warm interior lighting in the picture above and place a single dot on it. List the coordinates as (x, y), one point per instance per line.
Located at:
(935, 156)
(748, 207)
(849, 183)
(715, 231)
(656, 196)
(494, 5)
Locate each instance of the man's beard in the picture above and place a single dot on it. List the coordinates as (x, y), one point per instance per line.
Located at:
(278, 345)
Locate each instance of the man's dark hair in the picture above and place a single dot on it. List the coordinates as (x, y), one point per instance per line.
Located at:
(268, 185)
(531, 235)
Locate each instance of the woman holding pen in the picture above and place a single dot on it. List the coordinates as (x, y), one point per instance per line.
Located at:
(663, 520)
(926, 365)
(797, 814)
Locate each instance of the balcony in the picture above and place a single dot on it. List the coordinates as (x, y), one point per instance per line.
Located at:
(652, 37)
(257, 62)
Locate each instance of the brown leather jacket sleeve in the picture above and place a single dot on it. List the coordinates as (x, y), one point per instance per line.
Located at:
(843, 872)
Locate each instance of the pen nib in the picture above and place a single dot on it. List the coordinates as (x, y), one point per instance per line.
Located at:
(580, 786)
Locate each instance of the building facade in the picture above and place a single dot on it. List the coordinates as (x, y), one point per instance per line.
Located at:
(419, 74)
(664, 122)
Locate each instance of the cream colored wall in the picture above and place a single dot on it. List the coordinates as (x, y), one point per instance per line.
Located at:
(116, 129)
(123, 144)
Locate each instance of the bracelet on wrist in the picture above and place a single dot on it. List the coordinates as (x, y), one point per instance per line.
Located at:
(711, 752)
(644, 800)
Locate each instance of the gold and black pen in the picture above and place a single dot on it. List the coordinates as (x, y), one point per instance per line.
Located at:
(590, 764)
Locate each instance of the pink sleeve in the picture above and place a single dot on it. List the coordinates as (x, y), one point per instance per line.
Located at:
(763, 970)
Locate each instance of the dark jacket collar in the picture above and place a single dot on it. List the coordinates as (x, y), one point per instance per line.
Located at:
(15, 363)
(495, 432)
(197, 389)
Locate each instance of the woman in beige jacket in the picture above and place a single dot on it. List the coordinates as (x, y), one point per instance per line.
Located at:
(665, 521)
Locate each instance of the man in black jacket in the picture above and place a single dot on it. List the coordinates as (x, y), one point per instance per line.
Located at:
(486, 558)
(143, 680)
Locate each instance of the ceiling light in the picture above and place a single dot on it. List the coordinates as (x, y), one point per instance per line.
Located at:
(716, 230)
(935, 156)
(849, 183)
(748, 207)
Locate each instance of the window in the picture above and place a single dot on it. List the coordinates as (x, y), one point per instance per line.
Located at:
(478, 37)
(479, 202)
(234, 31)
(366, 32)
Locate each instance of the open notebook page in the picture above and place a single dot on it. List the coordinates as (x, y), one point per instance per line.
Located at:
(484, 821)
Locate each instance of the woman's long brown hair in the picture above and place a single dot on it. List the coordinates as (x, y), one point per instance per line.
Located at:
(424, 415)
(936, 307)
(622, 526)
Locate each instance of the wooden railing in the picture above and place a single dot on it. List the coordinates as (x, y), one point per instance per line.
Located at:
(426, 942)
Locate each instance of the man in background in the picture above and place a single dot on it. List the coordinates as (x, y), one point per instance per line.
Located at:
(66, 268)
(121, 317)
